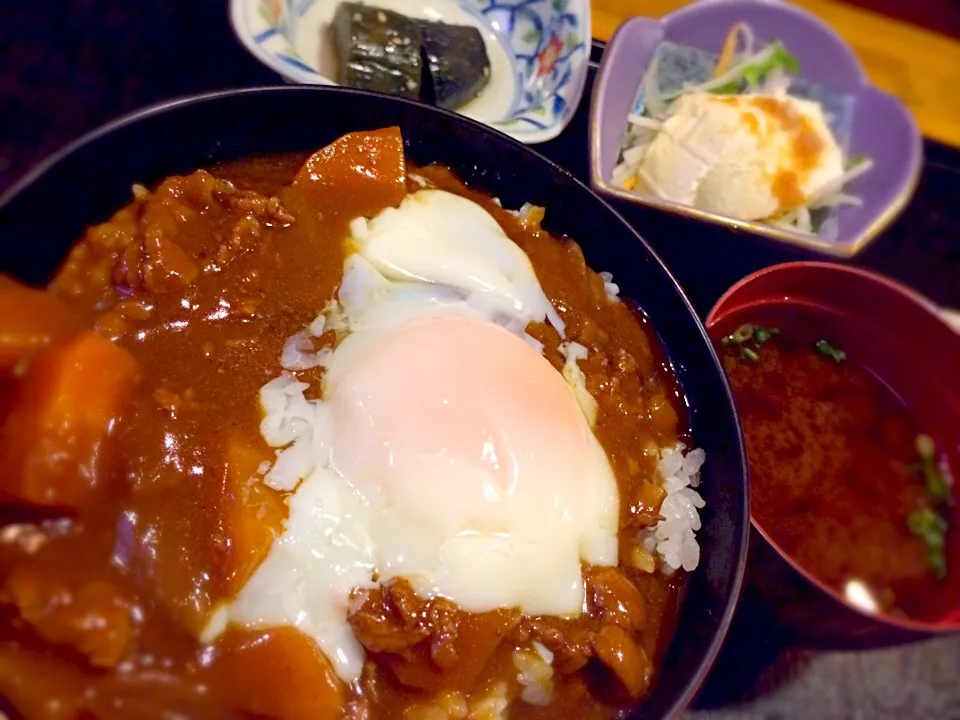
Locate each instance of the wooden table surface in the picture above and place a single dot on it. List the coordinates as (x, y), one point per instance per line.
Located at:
(920, 67)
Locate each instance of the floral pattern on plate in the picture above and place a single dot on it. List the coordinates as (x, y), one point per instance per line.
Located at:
(547, 39)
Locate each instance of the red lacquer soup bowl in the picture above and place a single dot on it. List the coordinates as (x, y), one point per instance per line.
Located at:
(848, 387)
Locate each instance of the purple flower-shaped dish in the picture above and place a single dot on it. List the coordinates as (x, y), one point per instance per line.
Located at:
(872, 123)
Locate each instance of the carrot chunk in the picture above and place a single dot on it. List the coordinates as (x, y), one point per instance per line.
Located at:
(362, 170)
(29, 320)
(168, 266)
(38, 685)
(64, 409)
(252, 513)
(92, 617)
(280, 674)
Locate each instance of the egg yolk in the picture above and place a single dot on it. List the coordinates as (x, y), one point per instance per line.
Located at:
(476, 452)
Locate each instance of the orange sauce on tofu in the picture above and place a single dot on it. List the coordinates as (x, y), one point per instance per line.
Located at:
(805, 150)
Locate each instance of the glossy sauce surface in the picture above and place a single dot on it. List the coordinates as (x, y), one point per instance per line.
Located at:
(104, 592)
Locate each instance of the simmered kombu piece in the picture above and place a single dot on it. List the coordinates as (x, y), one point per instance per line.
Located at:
(377, 50)
(457, 61)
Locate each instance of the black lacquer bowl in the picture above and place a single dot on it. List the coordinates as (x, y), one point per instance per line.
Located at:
(41, 216)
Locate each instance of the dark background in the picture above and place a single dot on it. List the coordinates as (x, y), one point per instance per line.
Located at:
(67, 66)
(942, 16)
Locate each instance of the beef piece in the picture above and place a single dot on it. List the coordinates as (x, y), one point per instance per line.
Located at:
(614, 647)
(614, 599)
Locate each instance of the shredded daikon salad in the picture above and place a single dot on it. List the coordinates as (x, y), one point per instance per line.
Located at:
(744, 66)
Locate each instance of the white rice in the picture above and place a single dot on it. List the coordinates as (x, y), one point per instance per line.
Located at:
(674, 537)
(457, 706)
(296, 425)
(535, 674)
(493, 706)
(452, 706)
(526, 211)
(610, 287)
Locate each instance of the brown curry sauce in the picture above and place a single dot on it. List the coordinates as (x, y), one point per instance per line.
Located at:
(187, 296)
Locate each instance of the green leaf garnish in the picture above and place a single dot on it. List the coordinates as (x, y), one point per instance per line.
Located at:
(779, 59)
(825, 348)
(730, 88)
(786, 60)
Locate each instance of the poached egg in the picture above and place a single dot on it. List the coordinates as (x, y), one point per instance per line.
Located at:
(443, 449)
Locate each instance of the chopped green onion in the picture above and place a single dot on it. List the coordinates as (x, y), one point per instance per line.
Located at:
(927, 523)
(757, 334)
(925, 447)
(743, 334)
(938, 488)
(930, 527)
(937, 560)
(825, 348)
(762, 334)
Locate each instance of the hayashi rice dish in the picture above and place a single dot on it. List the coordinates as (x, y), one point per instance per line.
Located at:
(335, 437)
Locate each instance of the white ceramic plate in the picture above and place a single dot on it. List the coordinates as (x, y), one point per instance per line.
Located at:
(538, 50)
